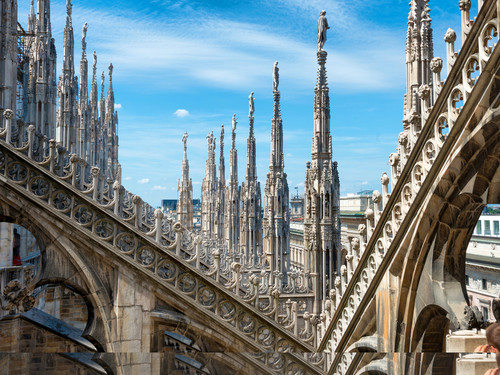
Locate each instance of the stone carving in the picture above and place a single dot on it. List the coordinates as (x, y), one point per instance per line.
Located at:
(18, 298)
(322, 27)
(251, 106)
(276, 77)
(472, 319)
(184, 140)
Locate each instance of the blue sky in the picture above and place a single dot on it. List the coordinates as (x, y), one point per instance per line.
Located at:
(205, 57)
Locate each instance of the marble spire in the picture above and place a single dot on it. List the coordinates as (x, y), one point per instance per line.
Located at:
(232, 199)
(221, 190)
(250, 218)
(321, 190)
(209, 190)
(276, 222)
(185, 191)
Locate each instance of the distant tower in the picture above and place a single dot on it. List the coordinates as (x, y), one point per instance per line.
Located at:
(8, 56)
(276, 216)
(41, 90)
(221, 191)
(184, 192)
(232, 199)
(67, 91)
(209, 190)
(251, 219)
(297, 206)
(321, 193)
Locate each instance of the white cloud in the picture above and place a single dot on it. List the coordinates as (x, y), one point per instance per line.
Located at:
(127, 178)
(181, 112)
(118, 106)
(159, 187)
(364, 183)
(143, 181)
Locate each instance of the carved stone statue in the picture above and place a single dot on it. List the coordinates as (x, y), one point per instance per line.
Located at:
(110, 71)
(69, 7)
(251, 107)
(84, 33)
(322, 27)
(472, 319)
(94, 63)
(276, 76)
(184, 140)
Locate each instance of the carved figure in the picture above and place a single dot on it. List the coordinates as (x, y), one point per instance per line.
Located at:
(472, 318)
(251, 107)
(322, 27)
(69, 7)
(84, 34)
(276, 76)
(184, 140)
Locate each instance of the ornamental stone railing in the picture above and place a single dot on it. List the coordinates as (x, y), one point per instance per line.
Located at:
(170, 255)
(368, 257)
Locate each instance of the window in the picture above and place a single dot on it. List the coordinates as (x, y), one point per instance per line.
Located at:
(496, 228)
(478, 227)
(487, 229)
(484, 283)
(485, 311)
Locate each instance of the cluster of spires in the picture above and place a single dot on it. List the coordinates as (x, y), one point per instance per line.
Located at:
(232, 214)
(83, 125)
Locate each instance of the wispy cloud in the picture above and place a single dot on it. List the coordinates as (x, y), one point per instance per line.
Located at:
(143, 181)
(118, 106)
(232, 54)
(159, 187)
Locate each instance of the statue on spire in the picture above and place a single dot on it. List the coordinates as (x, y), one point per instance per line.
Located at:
(276, 76)
(251, 106)
(184, 140)
(234, 129)
(110, 71)
(94, 63)
(84, 35)
(322, 27)
(69, 7)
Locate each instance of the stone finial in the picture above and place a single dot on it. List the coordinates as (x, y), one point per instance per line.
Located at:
(8, 114)
(464, 5)
(450, 36)
(424, 91)
(384, 180)
(322, 27)
(436, 64)
(110, 69)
